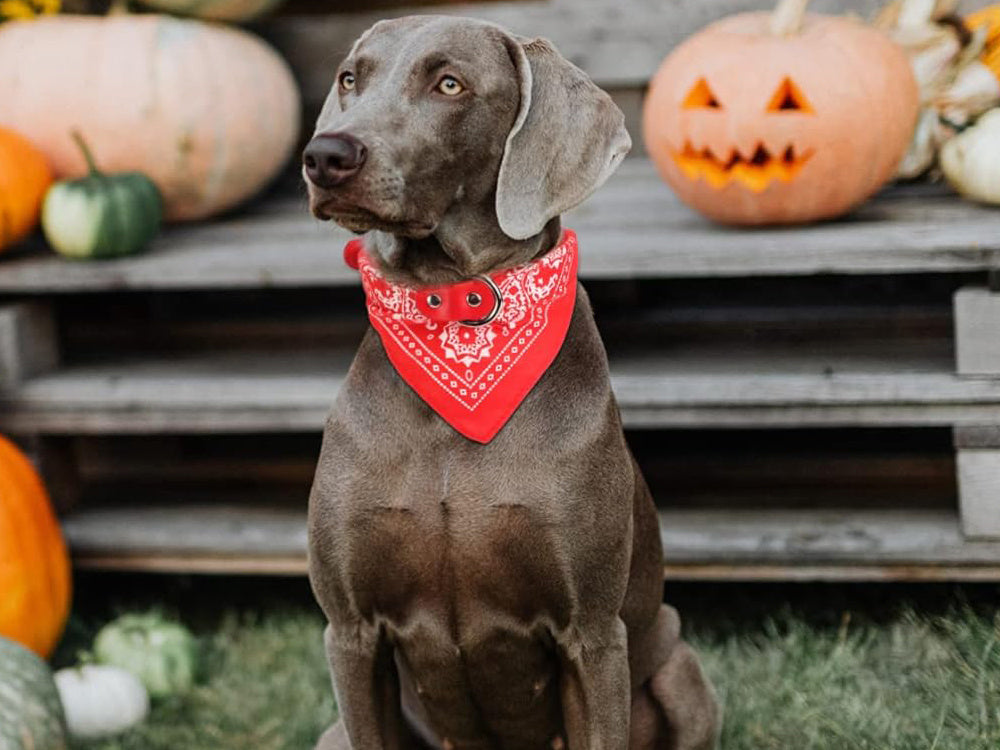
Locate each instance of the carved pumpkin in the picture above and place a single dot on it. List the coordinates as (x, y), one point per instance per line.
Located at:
(24, 178)
(776, 118)
(34, 567)
(209, 113)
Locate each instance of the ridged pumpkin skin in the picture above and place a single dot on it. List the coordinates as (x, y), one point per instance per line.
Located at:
(859, 103)
(31, 714)
(24, 178)
(215, 10)
(34, 566)
(102, 215)
(209, 113)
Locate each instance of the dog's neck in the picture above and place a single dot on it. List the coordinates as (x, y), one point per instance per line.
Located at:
(466, 242)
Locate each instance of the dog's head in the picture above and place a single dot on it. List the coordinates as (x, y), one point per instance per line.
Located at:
(430, 113)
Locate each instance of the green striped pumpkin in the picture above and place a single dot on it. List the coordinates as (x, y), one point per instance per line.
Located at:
(101, 215)
(31, 714)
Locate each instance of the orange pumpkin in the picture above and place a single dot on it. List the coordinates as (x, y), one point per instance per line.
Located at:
(34, 566)
(24, 178)
(209, 113)
(777, 118)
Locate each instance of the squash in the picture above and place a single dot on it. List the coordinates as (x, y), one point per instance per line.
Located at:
(971, 160)
(215, 10)
(101, 215)
(31, 713)
(24, 178)
(990, 18)
(209, 113)
(101, 701)
(34, 565)
(775, 118)
(162, 654)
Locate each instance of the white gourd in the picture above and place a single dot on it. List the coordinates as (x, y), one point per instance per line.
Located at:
(971, 160)
(101, 701)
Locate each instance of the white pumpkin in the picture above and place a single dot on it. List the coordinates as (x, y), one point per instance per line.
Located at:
(100, 701)
(971, 160)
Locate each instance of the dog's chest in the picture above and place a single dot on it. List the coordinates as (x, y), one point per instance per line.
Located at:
(459, 554)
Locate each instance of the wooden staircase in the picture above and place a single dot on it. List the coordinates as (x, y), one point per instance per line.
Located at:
(792, 394)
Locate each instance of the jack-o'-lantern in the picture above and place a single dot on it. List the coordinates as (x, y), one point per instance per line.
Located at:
(779, 118)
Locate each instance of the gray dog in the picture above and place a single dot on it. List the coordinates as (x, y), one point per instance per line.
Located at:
(498, 595)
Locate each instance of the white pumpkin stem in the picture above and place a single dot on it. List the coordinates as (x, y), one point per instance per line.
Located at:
(91, 164)
(787, 17)
(118, 8)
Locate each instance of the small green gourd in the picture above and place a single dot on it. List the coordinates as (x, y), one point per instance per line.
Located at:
(161, 653)
(101, 215)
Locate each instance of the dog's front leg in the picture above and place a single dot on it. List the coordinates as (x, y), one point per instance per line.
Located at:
(594, 683)
(366, 686)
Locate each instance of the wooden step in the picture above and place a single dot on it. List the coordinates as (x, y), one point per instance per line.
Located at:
(634, 227)
(898, 544)
(899, 382)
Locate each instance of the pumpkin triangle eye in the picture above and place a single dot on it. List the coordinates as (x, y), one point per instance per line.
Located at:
(789, 98)
(701, 97)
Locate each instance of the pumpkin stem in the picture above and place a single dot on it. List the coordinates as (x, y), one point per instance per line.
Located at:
(91, 164)
(118, 8)
(787, 17)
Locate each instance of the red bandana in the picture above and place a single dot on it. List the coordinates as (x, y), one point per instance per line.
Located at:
(471, 355)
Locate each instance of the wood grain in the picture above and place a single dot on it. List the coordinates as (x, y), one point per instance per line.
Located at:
(814, 544)
(634, 227)
(894, 382)
(28, 342)
(979, 492)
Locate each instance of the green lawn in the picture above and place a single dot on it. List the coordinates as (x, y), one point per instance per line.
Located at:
(814, 676)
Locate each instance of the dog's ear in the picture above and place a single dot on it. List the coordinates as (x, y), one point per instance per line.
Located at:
(567, 139)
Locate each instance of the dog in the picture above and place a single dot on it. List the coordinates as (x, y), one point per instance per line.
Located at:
(503, 591)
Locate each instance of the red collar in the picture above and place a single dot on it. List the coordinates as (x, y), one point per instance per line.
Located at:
(474, 349)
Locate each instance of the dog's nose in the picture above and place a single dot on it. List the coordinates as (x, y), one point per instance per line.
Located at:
(331, 159)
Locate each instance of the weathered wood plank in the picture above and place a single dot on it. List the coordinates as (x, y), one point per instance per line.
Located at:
(218, 529)
(977, 332)
(617, 43)
(864, 544)
(977, 436)
(797, 571)
(204, 564)
(634, 227)
(28, 342)
(979, 492)
(891, 383)
(814, 573)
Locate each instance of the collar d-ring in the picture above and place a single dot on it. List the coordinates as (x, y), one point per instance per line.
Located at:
(497, 303)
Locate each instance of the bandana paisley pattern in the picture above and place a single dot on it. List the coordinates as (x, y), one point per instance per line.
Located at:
(475, 377)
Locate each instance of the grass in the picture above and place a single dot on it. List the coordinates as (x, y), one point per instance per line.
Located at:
(815, 676)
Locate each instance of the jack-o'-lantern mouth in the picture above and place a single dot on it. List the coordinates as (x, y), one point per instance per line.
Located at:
(755, 172)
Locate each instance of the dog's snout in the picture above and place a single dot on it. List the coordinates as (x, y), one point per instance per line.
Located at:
(332, 159)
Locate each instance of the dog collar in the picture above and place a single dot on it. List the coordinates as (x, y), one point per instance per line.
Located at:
(473, 350)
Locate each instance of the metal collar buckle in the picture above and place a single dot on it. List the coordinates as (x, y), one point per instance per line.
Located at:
(497, 303)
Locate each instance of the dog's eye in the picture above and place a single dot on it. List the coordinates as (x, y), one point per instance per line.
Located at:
(347, 81)
(450, 86)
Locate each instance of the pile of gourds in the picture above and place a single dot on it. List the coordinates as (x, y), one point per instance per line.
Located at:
(971, 160)
(208, 113)
(137, 657)
(957, 63)
(957, 84)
